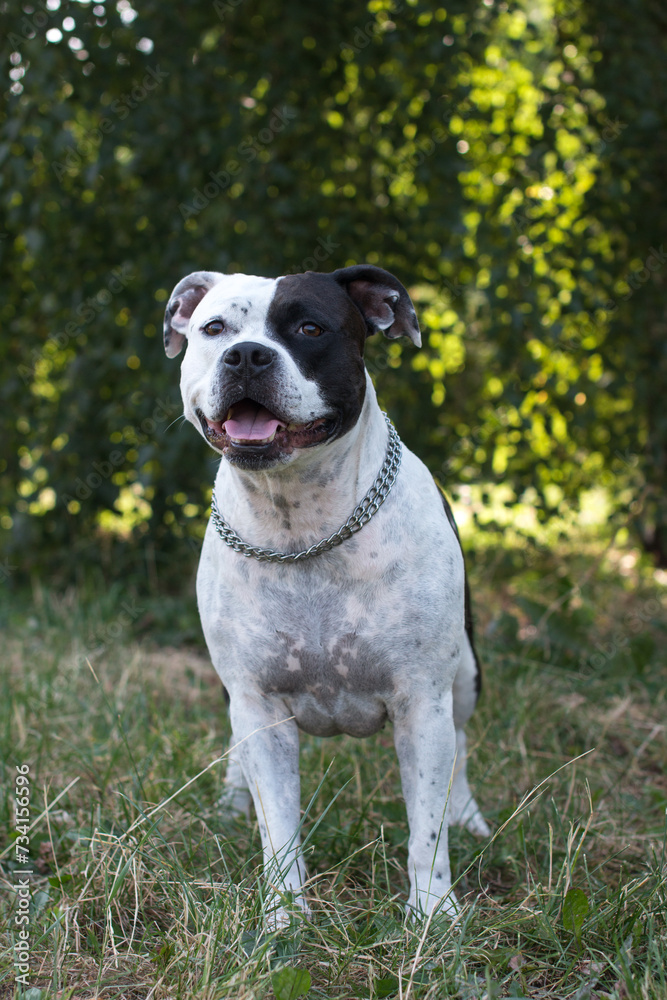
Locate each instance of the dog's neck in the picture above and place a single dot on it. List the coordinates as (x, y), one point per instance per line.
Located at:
(292, 506)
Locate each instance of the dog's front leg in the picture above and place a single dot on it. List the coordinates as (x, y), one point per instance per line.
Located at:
(425, 742)
(267, 748)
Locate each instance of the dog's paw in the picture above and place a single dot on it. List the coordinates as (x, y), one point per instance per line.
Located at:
(476, 824)
(467, 814)
(285, 917)
(471, 820)
(421, 908)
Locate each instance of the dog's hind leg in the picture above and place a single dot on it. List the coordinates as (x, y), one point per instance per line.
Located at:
(236, 799)
(463, 810)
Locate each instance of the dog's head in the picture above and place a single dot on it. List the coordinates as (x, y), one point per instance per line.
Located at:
(275, 365)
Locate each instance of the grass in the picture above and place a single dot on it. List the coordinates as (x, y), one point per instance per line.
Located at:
(140, 890)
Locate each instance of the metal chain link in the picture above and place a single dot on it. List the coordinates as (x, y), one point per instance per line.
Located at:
(360, 516)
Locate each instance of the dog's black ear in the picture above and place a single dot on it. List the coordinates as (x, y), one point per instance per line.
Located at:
(183, 301)
(381, 299)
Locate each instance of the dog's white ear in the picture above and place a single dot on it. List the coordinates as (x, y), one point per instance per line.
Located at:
(381, 299)
(183, 301)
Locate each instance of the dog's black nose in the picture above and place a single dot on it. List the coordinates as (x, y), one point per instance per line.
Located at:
(249, 358)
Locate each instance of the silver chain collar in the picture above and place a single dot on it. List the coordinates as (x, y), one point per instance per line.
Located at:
(360, 516)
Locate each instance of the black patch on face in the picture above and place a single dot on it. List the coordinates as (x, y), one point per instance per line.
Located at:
(334, 359)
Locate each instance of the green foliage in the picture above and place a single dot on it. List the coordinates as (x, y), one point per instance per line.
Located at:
(289, 983)
(575, 911)
(503, 161)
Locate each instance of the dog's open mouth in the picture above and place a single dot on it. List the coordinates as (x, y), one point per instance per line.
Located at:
(251, 427)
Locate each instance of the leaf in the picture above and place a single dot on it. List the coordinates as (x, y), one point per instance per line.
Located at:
(38, 902)
(289, 983)
(58, 882)
(575, 909)
(386, 986)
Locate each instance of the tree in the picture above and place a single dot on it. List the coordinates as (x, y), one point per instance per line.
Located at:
(493, 158)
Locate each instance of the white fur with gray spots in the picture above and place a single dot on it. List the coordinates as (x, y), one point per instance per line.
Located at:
(370, 632)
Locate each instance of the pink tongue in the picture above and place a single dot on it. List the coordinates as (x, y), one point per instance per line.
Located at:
(251, 422)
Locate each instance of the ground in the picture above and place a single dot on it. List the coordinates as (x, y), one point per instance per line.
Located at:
(140, 890)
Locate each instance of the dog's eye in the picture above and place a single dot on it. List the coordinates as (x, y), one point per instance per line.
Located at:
(310, 329)
(214, 328)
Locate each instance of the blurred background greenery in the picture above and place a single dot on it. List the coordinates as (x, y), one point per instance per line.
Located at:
(506, 160)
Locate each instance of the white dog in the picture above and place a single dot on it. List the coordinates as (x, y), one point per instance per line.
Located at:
(331, 585)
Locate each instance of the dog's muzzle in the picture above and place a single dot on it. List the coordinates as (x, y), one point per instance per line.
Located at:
(248, 428)
(250, 424)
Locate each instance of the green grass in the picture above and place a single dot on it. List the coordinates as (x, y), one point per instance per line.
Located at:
(142, 891)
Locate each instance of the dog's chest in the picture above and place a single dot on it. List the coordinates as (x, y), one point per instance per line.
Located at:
(344, 639)
(331, 679)
(332, 648)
